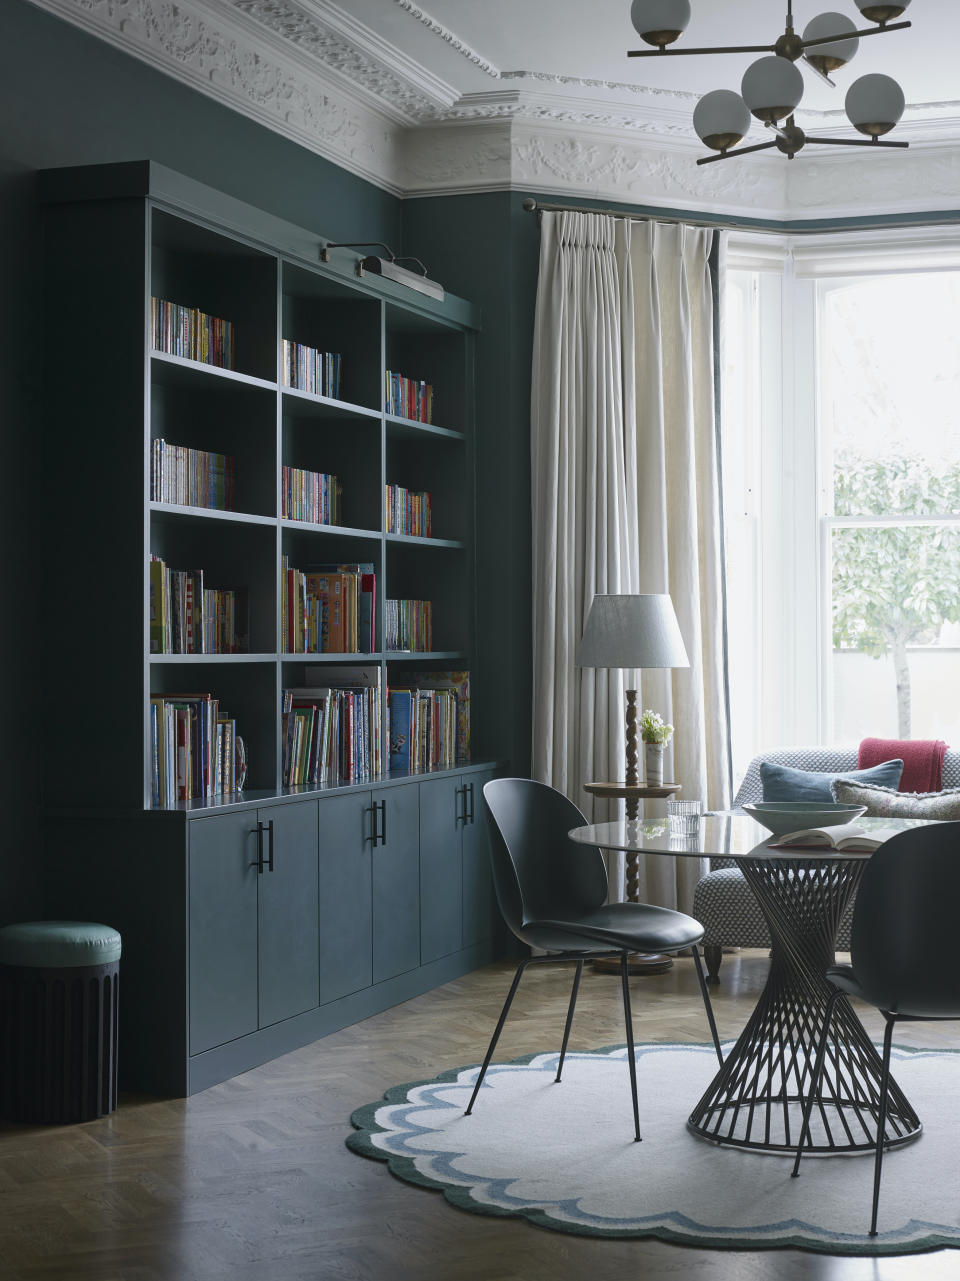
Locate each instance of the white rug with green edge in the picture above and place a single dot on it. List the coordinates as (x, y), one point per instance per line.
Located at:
(563, 1156)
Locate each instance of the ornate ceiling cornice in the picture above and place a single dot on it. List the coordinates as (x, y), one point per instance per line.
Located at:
(308, 70)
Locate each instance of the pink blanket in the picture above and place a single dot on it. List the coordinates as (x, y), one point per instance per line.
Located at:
(922, 760)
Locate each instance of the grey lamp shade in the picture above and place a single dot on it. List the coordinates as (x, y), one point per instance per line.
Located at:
(632, 631)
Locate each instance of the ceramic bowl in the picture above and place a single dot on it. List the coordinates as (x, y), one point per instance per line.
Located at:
(781, 817)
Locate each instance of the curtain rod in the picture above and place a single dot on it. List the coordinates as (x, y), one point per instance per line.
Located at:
(936, 220)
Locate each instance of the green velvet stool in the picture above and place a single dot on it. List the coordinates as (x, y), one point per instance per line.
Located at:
(59, 989)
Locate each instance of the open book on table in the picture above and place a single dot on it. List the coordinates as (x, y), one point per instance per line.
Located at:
(839, 836)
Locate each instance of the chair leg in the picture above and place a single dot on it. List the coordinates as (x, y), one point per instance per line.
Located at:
(815, 1082)
(570, 1009)
(713, 955)
(625, 984)
(708, 1004)
(882, 1119)
(496, 1035)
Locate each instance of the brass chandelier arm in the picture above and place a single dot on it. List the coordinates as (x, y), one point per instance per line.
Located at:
(765, 48)
(855, 142)
(739, 151)
(849, 35)
(733, 48)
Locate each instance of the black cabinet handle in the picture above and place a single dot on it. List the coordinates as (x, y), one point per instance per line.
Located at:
(270, 845)
(460, 812)
(373, 838)
(382, 806)
(469, 817)
(258, 831)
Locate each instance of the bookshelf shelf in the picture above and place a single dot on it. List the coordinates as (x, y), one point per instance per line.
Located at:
(181, 513)
(327, 406)
(199, 369)
(198, 660)
(413, 540)
(411, 429)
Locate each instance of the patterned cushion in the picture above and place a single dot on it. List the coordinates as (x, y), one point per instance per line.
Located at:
(886, 802)
(784, 783)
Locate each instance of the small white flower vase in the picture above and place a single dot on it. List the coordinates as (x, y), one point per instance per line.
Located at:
(653, 764)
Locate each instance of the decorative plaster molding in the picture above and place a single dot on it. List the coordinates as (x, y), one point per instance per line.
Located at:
(286, 64)
(229, 66)
(448, 37)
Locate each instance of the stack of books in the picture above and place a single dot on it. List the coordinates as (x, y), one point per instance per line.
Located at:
(312, 496)
(187, 617)
(408, 511)
(307, 369)
(191, 477)
(329, 609)
(193, 749)
(408, 626)
(331, 733)
(428, 721)
(408, 398)
(191, 333)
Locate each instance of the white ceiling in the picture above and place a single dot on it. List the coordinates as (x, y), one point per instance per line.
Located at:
(575, 50)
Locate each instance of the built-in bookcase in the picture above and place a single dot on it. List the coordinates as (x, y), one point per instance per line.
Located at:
(118, 237)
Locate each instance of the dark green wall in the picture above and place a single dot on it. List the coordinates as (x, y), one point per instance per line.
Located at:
(485, 248)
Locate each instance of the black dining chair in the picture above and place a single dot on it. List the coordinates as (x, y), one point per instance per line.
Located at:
(902, 953)
(552, 894)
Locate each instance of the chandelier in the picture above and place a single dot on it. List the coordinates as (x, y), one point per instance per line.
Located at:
(772, 86)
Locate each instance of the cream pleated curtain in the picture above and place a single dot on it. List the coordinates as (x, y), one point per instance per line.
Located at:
(626, 498)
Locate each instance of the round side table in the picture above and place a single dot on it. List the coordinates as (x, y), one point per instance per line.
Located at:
(633, 794)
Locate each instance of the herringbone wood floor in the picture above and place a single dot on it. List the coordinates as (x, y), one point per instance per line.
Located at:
(251, 1181)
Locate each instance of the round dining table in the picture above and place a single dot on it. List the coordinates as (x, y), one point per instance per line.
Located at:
(756, 1100)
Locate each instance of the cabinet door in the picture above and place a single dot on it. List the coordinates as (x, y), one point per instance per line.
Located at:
(480, 911)
(396, 884)
(441, 818)
(289, 979)
(345, 950)
(223, 929)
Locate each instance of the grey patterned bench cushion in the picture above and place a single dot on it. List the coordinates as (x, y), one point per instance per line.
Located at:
(723, 902)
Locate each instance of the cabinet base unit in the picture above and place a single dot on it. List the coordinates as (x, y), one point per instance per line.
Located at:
(252, 929)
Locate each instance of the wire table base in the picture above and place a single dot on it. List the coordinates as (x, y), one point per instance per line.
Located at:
(756, 1100)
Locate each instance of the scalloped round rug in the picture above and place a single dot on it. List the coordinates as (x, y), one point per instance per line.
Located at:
(563, 1156)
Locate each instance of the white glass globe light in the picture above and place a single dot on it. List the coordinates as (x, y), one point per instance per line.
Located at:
(721, 119)
(874, 104)
(836, 54)
(660, 22)
(771, 88)
(882, 12)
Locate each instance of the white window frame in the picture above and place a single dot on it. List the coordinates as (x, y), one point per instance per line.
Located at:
(789, 276)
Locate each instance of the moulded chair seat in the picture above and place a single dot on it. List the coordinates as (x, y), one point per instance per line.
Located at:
(902, 952)
(638, 927)
(552, 894)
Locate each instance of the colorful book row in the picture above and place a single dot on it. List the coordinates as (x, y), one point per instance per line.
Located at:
(408, 512)
(428, 720)
(194, 750)
(328, 609)
(408, 398)
(307, 369)
(187, 617)
(408, 625)
(191, 333)
(312, 496)
(191, 477)
(331, 733)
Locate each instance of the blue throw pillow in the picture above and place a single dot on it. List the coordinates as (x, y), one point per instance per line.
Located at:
(783, 783)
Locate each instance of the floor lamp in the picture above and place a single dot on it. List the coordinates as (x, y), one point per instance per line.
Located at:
(632, 632)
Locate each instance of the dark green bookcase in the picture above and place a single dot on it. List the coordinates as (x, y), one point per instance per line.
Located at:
(229, 907)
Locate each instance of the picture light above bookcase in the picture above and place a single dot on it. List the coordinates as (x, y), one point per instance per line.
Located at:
(390, 267)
